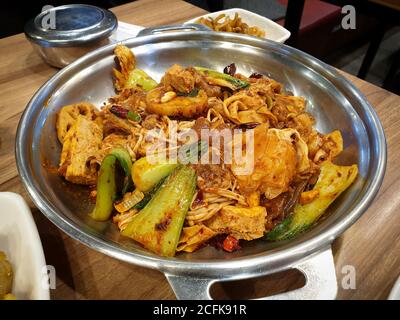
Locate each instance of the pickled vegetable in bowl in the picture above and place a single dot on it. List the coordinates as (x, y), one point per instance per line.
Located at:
(224, 23)
(6, 278)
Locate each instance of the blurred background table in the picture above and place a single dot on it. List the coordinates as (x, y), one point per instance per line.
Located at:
(372, 245)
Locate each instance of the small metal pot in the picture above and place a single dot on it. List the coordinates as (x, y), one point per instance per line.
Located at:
(60, 35)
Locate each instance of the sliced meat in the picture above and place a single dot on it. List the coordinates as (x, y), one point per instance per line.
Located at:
(200, 124)
(241, 223)
(114, 125)
(211, 176)
(151, 121)
(179, 79)
(201, 83)
(125, 61)
(285, 105)
(212, 132)
(111, 142)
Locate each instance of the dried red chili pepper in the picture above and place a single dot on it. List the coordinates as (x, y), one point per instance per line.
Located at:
(231, 244)
(120, 112)
(123, 113)
(230, 69)
(256, 75)
(248, 125)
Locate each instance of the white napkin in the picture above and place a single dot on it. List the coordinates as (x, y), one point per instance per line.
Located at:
(125, 31)
(395, 293)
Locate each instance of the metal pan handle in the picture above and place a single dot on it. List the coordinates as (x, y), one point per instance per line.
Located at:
(175, 27)
(319, 271)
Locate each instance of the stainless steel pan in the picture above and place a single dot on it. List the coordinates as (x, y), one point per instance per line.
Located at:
(333, 100)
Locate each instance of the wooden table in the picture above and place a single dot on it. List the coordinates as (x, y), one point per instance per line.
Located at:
(372, 245)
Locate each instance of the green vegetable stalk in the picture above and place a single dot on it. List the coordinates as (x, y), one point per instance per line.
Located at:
(148, 195)
(106, 190)
(125, 161)
(237, 83)
(133, 116)
(146, 174)
(139, 78)
(158, 226)
(332, 181)
(106, 185)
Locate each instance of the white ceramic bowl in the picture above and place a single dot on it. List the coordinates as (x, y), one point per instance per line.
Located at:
(395, 293)
(19, 239)
(273, 31)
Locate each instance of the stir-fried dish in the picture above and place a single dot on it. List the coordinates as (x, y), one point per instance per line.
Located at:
(6, 278)
(201, 158)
